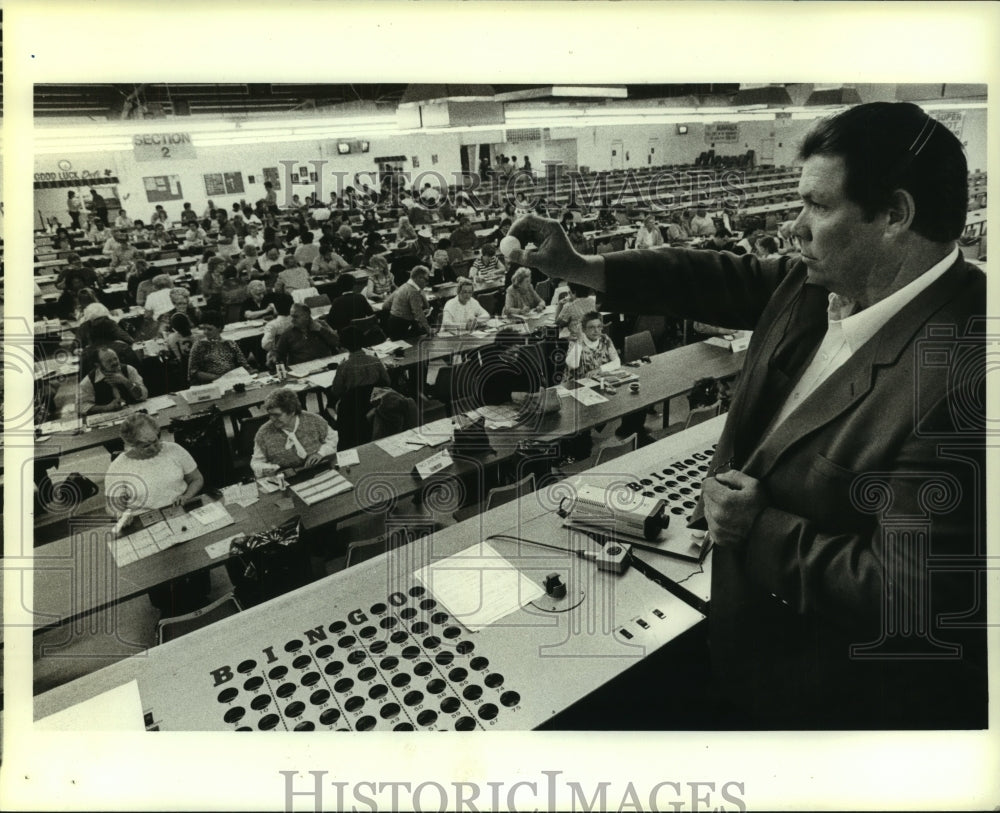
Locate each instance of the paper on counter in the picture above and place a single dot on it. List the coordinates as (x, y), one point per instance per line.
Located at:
(268, 485)
(322, 487)
(118, 709)
(157, 403)
(588, 397)
(210, 513)
(240, 494)
(52, 427)
(323, 379)
(348, 457)
(238, 375)
(398, 445)
(435, 433)
(478, 586)
(500, 413)
(221, 548)
(587, 382)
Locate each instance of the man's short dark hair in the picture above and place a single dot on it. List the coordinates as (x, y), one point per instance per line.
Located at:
(895, 145)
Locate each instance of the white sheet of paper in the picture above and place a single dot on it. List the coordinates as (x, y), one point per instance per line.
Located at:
(118, 709)
(398, 445)
(240, 494)
(349, 457)
(323, 379)
(210, 513)
(478, 586)
(158, 402)
(588, 397)
(238, 375)
(220, 548)
(436, 432)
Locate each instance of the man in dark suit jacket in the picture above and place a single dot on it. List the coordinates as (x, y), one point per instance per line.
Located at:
(846, 498)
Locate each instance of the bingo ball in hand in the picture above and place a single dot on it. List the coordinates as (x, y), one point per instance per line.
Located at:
(509, 244)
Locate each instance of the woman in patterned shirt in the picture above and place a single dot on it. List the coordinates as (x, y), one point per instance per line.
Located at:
(380, 281)
(592, 349)
(522, 299)
(213, 356)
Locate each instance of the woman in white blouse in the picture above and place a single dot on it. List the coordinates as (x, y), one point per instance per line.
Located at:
(592, 349)
(463, 312)
(649, 235)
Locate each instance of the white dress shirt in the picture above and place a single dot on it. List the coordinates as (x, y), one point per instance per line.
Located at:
(846, 334)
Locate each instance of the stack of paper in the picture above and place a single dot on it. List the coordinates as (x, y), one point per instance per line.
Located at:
(240, 494)
(158, 402)
(478, 586)
(503, 416)
(348, 457)
(399, 444)
(388, 347)
(328, 484)
(587, 396)
(435, 433)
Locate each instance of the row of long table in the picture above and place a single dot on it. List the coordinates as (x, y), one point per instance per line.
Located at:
(65, 587)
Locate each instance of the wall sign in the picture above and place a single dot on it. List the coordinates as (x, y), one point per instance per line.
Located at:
(162, 146)
(271, 174)
(223, 183)
(952, 119)
(722, 133)
(162, 187)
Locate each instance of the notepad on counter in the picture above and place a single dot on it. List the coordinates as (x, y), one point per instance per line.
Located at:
(588, 397)
(436, 432)
(348, 457)
(157, 403)
(478, 586)
(399, 444)
(240, 494)
(322, 379)
(322, 487)
(210, 513)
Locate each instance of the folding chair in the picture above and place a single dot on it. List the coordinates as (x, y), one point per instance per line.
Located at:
(167, 629)
(613, 450)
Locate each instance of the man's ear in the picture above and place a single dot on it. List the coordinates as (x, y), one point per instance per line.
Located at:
(901, 212)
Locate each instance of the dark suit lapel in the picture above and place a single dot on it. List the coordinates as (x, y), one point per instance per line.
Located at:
(852, 381)
(788, 347)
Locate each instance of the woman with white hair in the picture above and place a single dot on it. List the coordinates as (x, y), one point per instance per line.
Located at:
(292, 438)
(158, 303)
(405, 232)
(257, 305)
(649, 235)
(522, 299)
(151, 472)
